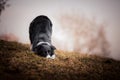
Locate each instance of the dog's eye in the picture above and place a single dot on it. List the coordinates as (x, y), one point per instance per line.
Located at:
(45, 51)
(48, 51)
(41, 51)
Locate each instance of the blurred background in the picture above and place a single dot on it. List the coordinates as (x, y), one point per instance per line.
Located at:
(85, 26)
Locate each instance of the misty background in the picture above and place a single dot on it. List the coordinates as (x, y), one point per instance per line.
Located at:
(86, 26)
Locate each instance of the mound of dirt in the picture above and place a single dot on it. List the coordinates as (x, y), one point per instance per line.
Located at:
(17, 62)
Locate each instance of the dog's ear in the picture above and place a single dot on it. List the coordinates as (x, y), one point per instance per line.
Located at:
(53, 47)
(37, 48)
(52, 50)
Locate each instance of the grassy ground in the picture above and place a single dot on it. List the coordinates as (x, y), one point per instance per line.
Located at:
(17, 62)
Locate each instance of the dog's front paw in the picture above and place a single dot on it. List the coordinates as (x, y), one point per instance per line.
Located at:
(50, 57)
(53, 56)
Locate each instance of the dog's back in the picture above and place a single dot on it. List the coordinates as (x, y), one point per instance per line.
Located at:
(40, 30)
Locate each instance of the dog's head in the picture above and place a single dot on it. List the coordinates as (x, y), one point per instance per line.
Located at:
(45, 50)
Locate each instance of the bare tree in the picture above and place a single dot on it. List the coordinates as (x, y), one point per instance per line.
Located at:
(3, 4)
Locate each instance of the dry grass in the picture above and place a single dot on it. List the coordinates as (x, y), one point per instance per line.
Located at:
(17, 62)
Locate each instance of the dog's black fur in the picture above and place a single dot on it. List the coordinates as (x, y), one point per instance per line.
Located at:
(40, 30)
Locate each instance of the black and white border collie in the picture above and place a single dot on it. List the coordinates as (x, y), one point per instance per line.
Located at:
(40, 32)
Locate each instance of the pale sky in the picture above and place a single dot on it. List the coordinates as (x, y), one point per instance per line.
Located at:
(16, 18)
